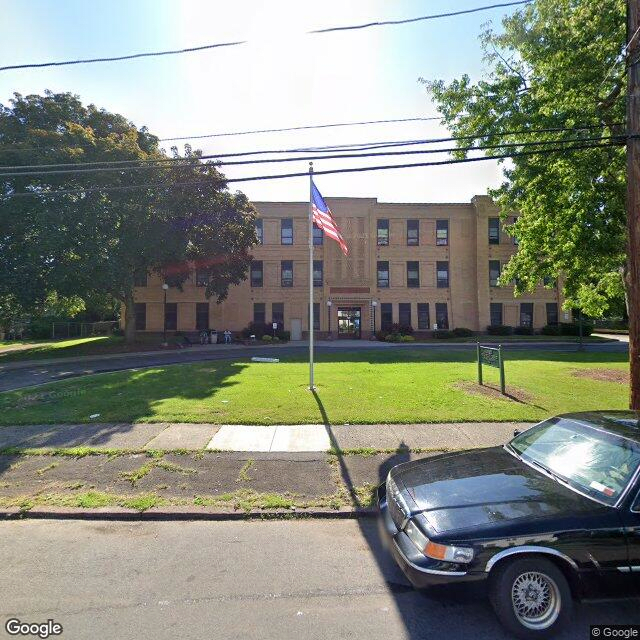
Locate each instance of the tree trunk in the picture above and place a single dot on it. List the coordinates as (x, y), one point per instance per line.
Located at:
(633, 200)
(129, 318)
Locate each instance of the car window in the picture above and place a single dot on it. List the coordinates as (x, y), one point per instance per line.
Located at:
(590, 460)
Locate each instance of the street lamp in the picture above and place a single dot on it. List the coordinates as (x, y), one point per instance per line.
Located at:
(374, 304)
(165, 286)
(329, 303)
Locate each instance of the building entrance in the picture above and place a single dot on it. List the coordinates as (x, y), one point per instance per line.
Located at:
(349, 322)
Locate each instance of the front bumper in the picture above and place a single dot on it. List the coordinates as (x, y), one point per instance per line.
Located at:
(420, 571)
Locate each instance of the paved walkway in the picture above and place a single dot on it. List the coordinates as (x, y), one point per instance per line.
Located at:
(280, 438)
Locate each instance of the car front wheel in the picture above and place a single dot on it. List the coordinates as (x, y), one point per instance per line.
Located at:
(531, 597)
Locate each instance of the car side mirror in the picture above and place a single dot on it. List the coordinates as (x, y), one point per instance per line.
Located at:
(516, 432)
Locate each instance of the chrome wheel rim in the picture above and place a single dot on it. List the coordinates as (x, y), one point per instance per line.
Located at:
(536, 600)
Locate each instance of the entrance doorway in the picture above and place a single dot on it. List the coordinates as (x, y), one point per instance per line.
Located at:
(349, 323)
(296, 329)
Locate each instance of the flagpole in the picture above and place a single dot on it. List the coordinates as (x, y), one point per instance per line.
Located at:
(311, 384)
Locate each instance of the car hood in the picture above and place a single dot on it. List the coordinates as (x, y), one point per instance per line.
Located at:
(483, 487)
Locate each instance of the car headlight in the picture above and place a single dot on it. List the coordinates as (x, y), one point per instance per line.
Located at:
(445, 552)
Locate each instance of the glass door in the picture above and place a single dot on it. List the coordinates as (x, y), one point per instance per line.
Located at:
(349, 322)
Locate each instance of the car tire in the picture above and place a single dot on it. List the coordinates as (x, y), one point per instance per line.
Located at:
(531, 597)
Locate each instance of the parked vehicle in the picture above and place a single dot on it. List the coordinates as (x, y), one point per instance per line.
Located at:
(551, 516)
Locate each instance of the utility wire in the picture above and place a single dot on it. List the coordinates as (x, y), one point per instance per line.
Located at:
(325, 149)
(313, 126)
(300, 174)
(619, 58)
(218, 45)
(315, 157)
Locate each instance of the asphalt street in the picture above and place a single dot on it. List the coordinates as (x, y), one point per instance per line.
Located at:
(26, 375)
(253, 579)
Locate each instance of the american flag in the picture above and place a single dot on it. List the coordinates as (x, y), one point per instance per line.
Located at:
(324, 219)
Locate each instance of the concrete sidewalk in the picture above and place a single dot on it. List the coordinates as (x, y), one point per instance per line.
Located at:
(247, 438)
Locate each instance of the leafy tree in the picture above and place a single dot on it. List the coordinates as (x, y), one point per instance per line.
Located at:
(107, 228)
(548, 68)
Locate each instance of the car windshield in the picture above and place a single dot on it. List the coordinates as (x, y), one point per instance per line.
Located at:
(595, 462)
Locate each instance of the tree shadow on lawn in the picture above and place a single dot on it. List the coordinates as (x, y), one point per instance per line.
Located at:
(145, 389)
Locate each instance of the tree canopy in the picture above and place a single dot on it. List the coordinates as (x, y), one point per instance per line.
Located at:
(107, 228)
(551, 66)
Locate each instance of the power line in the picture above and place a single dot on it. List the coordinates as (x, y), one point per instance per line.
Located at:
(315, 157)
(300, 174)
(385, 23)
(318, 149)
(312, 126)
(150, 54)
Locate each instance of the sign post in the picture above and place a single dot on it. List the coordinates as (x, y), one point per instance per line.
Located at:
(493, 358)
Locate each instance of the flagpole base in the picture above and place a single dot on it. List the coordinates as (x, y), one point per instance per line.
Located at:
(312, 388)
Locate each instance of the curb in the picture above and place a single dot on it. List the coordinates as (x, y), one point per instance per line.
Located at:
(116, 514)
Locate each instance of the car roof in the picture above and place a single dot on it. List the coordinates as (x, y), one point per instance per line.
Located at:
(621, 423)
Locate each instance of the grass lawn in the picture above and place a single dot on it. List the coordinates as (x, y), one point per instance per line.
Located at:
(358, 387)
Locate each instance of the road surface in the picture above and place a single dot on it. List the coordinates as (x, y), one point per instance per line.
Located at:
(259, 580)
(25, 374)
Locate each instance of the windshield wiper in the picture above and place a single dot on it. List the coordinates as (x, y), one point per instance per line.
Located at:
(549, 471)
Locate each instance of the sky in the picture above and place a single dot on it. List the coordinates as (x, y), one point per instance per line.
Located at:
(282, 78)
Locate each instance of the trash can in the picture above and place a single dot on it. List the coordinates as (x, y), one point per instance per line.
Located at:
(213, 336)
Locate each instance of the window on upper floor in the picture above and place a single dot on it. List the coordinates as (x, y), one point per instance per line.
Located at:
(494, 230)
(286, 231)
(413, 274)
(513, 238)
(383, 232)
(140, 278)
(442, 275)
(318, 235)
(442, 233)
(494, 272)
(257, 274)
(318, 273)
(383, 274)
(202, 278)
(286, 273)
(260, 230)
(413, 233)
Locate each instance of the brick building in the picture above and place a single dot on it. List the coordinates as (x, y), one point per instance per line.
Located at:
(414, 264)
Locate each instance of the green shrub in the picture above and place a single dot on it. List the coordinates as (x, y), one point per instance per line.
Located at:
(573, 329)
(266, 338)
(499, 330)
(523, 331)
(407, 339)
(381, 335)
(284, 336)
(275, 339)
(550, 330)
(392, 337)
(462, 332)
(443, 334)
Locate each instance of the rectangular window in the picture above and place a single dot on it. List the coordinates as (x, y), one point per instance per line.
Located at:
(202, 278)
(515, 240)
(286, 231)
(494, 230)
(171, 316)
(552, 313)
(383, 232)
(495, 311)
(424, 324)
(318, 273)
(383, 275)
(318, 235)
(286, 273)
(140, 278)
(316, 316)
(386, 316)
(442, 315)
(413, 233)
(413, 274)
(277, 313)
(442, 233)
(494, 272)
(549, 281)
(404, 314)
(260, 230)
(442, 275)
(256, 273)
(202, 316)
(259, 313)
(526, 314)
(141, 316)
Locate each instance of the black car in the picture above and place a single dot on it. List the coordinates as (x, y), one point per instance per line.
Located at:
(551, 516)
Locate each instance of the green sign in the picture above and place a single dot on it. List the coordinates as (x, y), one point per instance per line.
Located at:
(491, 356)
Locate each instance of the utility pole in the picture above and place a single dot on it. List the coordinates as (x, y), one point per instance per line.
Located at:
(633, 198)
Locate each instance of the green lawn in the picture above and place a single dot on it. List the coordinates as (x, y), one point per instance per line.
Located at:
(358, 387)
(16, 350)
